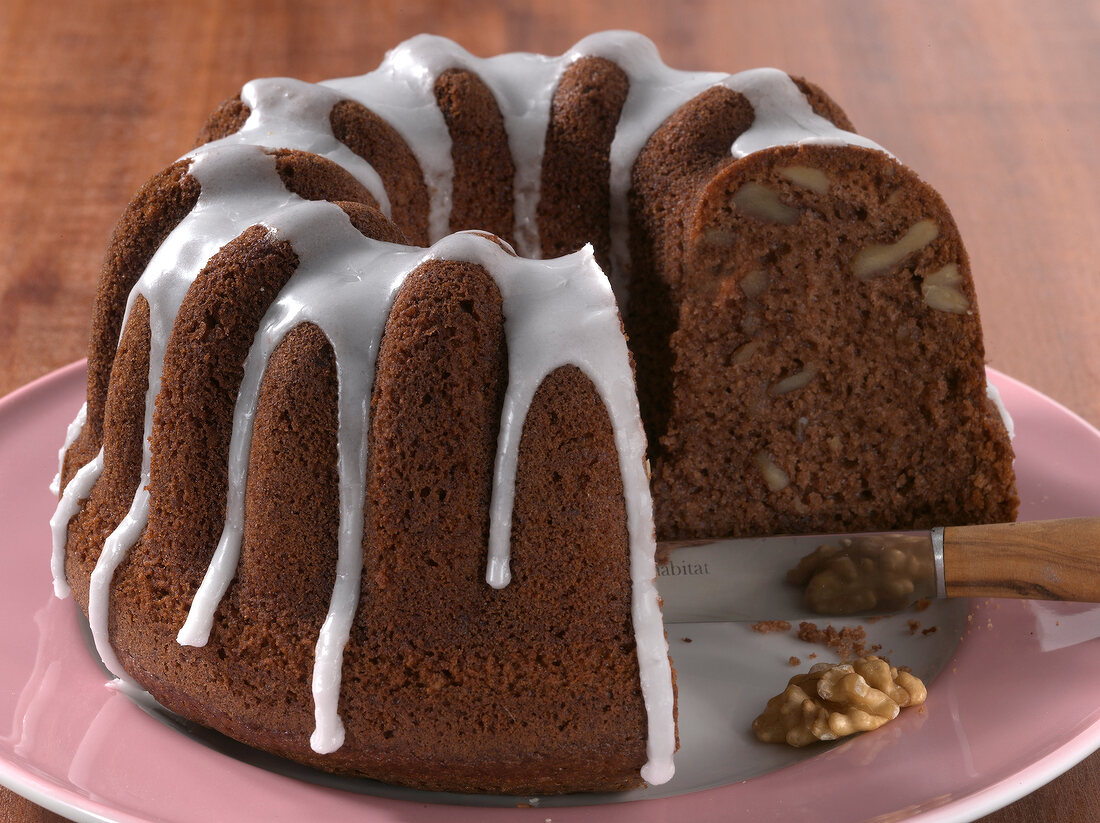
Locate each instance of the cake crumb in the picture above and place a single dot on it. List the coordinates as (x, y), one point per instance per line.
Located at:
(768, 626)
(930, 630)
(914, 626)
(794, 661)
(685, 639)
(847, 642)
(922, 604)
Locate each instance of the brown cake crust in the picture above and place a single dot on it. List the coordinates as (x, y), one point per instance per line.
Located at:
(546, 664)
(112, 494)
(366, 134)
(156, 210)
(313, 177)
(823, 104)
(377, 142)
(372, 223)
(481, 196)
(489, 671)
(575, 196)
(227, 119)
(150, 217)
(203, 365)
(678, 160)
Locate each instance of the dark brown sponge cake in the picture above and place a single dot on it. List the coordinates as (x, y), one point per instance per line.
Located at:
(545, 665)
(575, 208)
(844, 394)
(389, 600)
(444, 677)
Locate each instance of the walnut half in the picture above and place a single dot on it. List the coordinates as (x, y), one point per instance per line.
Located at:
(833, 700)
(853, 574)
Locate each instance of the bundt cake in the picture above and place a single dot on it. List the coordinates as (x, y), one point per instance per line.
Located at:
(371, 495)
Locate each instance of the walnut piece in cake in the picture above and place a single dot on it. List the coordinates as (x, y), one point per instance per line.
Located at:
(942, 290)
(879, 259)
(759, 201)
(833, 700)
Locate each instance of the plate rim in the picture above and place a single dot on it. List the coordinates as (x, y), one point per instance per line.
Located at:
(1006, 789)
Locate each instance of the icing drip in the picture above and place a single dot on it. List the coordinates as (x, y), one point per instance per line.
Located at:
(783, 116)
(76, 491)
(115, 548)
(298, 113)
(245, 176)
(71, 434)
(560, 312)
(402, 91)
(557, 312)
(656, 91)
(994, 396)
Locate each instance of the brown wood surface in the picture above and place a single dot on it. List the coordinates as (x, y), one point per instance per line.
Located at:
(1038, 560)
(994, 102)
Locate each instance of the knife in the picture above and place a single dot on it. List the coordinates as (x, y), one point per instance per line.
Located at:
(802, 577)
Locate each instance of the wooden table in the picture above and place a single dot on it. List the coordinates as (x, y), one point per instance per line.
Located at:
(994, 103)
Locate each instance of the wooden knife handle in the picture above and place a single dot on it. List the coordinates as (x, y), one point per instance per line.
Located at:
(1037, 560)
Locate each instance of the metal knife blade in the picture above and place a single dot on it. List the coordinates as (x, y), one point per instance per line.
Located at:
(783, 578)
(795, 578)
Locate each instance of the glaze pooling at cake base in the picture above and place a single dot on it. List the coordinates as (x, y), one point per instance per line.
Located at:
(470, 529)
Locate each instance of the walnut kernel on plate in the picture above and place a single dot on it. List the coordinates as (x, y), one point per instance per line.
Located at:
(833, 700)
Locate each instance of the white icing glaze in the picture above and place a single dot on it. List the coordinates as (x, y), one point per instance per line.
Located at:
(115, 548)
(71, 434)
(76, 490)
(656, 91)
(298, 114)
(994, 396)
(557, 312)
(402, 91)
(782, 115)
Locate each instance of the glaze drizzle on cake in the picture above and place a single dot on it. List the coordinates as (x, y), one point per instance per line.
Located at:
(557, 312)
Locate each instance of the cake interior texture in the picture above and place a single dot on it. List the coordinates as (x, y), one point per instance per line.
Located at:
(363, 479)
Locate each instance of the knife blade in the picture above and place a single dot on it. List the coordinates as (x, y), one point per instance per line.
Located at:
(808, 576)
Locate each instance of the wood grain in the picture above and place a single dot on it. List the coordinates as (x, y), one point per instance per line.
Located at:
(995, 104)
(1039, 560)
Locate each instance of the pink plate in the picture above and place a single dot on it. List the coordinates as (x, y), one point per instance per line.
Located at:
(1014, 706)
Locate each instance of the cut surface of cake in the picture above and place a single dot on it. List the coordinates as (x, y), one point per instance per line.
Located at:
(362, 479)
